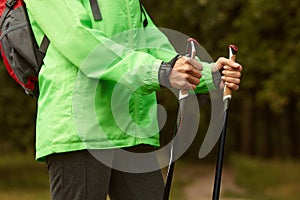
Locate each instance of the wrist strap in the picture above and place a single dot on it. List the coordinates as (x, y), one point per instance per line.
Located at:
(165, 71)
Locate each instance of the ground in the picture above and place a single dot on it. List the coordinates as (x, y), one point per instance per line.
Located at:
(197, 181)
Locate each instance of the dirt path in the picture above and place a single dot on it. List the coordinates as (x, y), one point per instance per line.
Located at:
(198, 181)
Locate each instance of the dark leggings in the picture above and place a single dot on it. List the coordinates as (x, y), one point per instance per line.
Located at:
(79, 176)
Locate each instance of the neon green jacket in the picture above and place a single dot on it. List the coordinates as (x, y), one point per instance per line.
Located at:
(98, 81)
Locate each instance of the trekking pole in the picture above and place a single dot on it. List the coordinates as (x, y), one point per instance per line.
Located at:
(191, 53)
(226, 99)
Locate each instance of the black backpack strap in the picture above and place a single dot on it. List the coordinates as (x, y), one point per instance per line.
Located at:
(145, 21)
(44, 44)
(95, 10)
(42, 50)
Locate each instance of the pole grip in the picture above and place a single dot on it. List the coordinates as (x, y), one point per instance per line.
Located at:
(232, 56)
(191, 51)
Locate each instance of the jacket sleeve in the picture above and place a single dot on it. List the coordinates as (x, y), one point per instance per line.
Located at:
(69, 29)
(206, 81)
(157, 37)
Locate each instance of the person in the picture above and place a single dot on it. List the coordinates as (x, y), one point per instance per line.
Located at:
(84, 65)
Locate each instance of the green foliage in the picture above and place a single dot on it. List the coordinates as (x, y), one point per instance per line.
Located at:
(265, 111)
(266, 32)
(17, 115)
(268, 38)
(271, 42)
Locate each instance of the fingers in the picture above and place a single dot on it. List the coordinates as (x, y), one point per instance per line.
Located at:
(180, 80)
(222, 62)
(231, 80)
(185, 74)
(192, 79)
(231, 72)
(188, 66)
(231, 75)
(197, 65)
(232, 86)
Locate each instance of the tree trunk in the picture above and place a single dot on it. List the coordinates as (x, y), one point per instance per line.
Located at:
(292, 130)
(247, 126)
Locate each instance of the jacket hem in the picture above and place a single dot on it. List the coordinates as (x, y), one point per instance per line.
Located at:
(62, 148)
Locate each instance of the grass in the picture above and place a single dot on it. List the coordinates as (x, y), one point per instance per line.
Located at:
(22, 178)
(255, 178)
(268, 179)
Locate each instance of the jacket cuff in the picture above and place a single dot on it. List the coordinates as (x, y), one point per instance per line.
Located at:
(164, 72)
(216, 76)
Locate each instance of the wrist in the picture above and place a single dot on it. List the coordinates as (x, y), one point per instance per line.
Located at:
(165, 71)
(216, 76)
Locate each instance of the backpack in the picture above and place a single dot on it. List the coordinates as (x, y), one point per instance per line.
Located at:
(20, 52)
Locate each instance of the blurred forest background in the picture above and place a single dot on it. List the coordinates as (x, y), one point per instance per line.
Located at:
(264, 116)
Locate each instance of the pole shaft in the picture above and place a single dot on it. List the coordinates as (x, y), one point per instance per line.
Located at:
(192, 45)
(219, 165)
